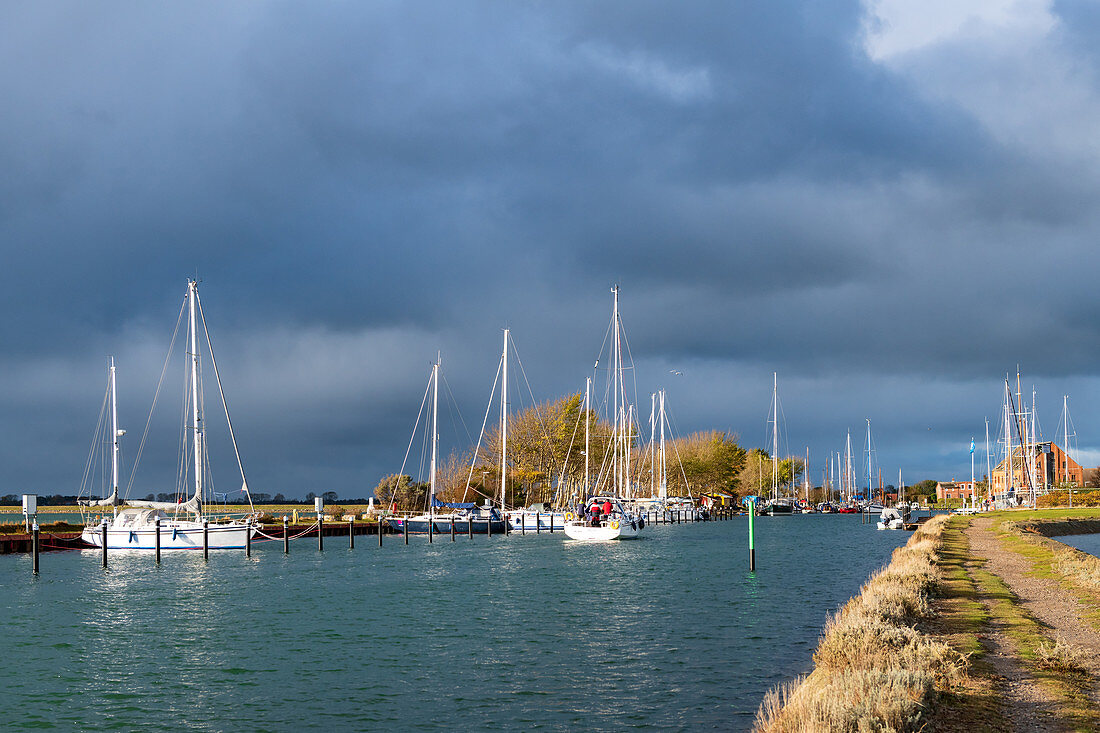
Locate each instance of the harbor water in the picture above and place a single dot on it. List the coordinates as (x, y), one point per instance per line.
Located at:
(1089, 543)
(534, 632)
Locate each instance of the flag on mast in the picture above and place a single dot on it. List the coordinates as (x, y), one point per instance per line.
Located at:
(971, 445)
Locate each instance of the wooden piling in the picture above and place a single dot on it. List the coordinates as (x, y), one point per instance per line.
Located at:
(380, 531)
(320, 534)
(452, 528)
(156, 544)
(247, 540)
(103, 534)
(34, 549)
(286, 537)
(470, 526)
(351, 533)
(205, 540)
(405, 528)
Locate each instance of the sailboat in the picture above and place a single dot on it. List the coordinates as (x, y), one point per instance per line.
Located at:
(871, 504)
(536, 518)
(618, 522)
(132, 524)
(775, 505)
(465, 516)
(659, 504)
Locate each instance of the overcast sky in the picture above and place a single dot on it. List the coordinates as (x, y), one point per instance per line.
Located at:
(891, 204)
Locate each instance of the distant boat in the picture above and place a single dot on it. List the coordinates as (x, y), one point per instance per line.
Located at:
(133, 524)
(464, 516)
(891, 519)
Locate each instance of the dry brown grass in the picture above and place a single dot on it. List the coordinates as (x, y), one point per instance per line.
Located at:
(875, 671)
(1061, 657)
(1078, 568)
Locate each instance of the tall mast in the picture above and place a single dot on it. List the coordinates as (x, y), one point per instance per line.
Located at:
(848, 467)
(663, 464)
(989, 470)
(435, 432)
(775, 436)
(1065, 431)
(115, 435)
(196, 412)
(652, 444)
(1009, 471)
(504, 422)
(628, 489)
(869, 477)
(587, 392)
(806, 474)
(616, 428)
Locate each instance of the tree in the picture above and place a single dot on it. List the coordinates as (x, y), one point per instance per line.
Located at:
(329, 496)
(408, 495)
(708, 460)
(755, 477)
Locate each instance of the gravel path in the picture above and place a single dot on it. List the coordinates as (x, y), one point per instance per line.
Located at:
(1025, 700)
(1044, 598)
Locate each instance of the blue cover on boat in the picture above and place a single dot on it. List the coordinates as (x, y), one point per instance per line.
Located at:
(454, 504)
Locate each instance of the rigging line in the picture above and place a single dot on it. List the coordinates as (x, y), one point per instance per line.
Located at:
(182, 452)
(572, 441)
(148, 420)
(228, 421)
(481, 435)
(535, 406)
(92, 452)
(412, 438)
(456, 411)
(669, 421)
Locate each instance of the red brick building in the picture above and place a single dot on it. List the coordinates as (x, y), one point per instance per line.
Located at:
(955, 490)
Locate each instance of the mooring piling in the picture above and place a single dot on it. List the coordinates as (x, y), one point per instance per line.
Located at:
(351, 533)
(34, 548)
(286, 537)
(103, 534)
(205, 540)
(752, 544)
(156, 545)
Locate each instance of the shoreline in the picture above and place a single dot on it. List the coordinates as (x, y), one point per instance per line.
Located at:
(1007, 628)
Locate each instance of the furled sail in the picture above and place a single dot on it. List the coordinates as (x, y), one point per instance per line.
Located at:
(191, 505)
(111, 500)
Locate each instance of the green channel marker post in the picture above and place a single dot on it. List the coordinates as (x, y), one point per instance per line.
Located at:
(752, 547)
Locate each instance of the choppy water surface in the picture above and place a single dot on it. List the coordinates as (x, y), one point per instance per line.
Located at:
(1089, 543)
(527, 632)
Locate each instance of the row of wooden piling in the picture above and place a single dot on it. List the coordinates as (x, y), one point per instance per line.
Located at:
(679, 517)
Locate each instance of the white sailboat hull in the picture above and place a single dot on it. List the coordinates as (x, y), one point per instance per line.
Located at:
(174, 535)
(614, 530)
(525, 521)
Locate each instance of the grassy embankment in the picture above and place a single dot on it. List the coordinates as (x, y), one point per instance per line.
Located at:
(908, 652)
(874, 668)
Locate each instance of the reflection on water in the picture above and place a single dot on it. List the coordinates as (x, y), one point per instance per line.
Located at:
(666, 631)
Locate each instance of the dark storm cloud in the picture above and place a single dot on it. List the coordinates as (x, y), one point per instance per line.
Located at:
(360, 185)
